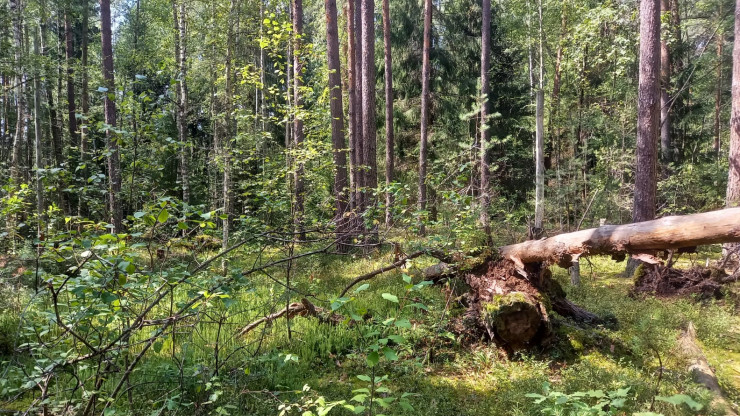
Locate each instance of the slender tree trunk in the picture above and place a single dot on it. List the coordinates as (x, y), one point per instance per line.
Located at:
(553, 123)
(228, 130)
(38, 165)
(299, 186)
(665, 86)
(368, 101)
(69, 62)
(733, 176)
(648, 116)
(485, 68)
(389, 142)
(114, 163)
(359, 111)
(539, 200)
(352, 101)
(676, 26)
(182, 97)
(16, 166)
(337, 117)
(425, 103)
(720, 38)
(85, 104)
(4, 84)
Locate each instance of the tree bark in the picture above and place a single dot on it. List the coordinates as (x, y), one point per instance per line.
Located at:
(733, 176)
(114, 163)
(337, 118)
(720, 39)
(85, 104)
(485, 134)
(69, 61)
(665, 86)
(389, 139)
(648, 116)
(229, 131)
(182, 97)
(425, 103)
(299, 186)
(638, 238)
(38, 164)
(359, 111)
(539, 200)
(16, 164)
(352, 103)
(368, 102)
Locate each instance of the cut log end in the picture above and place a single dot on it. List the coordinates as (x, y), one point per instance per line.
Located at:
(516, 318)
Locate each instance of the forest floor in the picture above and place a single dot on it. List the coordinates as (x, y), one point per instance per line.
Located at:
(440, 375)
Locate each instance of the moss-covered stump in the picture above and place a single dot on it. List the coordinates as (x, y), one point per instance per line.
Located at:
(513, 307)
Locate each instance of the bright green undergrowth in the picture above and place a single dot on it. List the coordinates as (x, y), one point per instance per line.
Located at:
(438, 375)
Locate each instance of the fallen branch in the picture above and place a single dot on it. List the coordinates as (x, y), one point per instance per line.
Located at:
(304, 308)
(700, 370)
(368, 276)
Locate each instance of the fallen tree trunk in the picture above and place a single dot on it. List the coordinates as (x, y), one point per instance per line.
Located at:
(640, 238)
(700, 369)
(511, 292)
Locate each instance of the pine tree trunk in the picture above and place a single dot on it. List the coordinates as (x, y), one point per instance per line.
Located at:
(368, 102)
(665, 86)
(718, 93)
(16, 164)
(425, 103)
(352, 103)
(389, 142)
(485, 67)
(69, 61)
(298, 135)
(359, 111)
(337, 117)
(38, 164)
(85, 104)
(539, 200)
(733, 176)
(648, 116)
(114, 163)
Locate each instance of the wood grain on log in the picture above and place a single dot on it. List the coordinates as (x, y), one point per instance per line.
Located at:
(672, 232)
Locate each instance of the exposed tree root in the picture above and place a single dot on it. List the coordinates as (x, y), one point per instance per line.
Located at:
(706, 283)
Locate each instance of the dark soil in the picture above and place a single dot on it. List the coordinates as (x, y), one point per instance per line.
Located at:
(661, 281)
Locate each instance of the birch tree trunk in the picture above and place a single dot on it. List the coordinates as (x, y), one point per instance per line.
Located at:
(182, 97)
